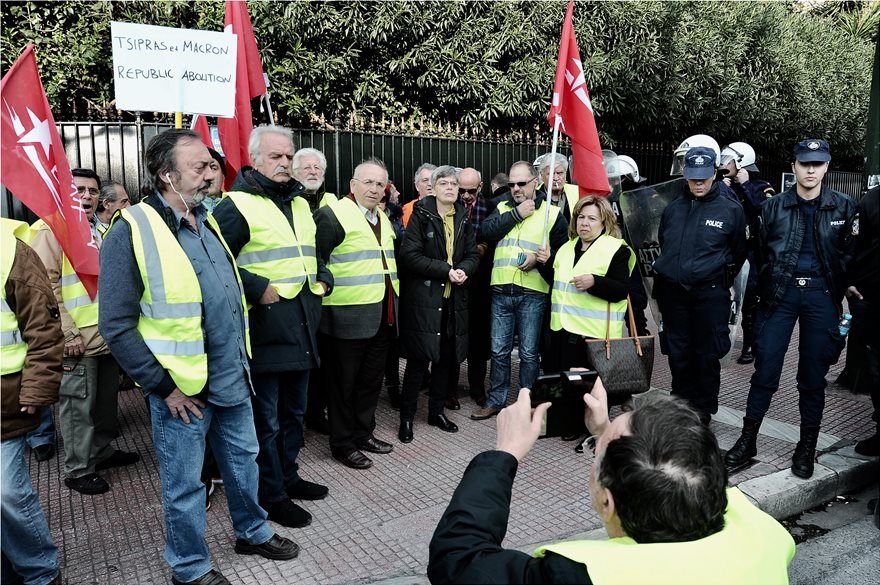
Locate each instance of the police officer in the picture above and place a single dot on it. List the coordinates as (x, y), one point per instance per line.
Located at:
(738, 161)
(702, 239)
(805, 243)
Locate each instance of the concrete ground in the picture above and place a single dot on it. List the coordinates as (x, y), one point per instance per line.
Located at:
(376, 524)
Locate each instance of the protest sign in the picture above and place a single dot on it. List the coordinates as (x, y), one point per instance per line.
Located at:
(163, 69)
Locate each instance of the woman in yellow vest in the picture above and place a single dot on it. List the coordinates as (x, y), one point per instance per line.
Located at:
(590, 273)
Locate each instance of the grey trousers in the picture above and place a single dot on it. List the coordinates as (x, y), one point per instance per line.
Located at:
(89, 397)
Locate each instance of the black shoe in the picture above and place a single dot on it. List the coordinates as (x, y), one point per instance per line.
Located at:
(479, 399)
(394, 397)
(44, 452)
(746, 357)
(745, 447)
(869, 447)
(306, 490)
(287, 514)
(276, 548)
(88, 485)
(452, 403)
(405, 433)
(354, 459)
(212, 577)
(805, 453)
(118, 459)
(374, 445)
(319, 424)
(444, 424)
(705, 418)
(844, 379)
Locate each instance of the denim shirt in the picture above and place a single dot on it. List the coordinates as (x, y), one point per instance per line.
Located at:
(229, 380)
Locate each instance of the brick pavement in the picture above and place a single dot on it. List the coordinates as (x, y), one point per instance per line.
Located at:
(377, 523)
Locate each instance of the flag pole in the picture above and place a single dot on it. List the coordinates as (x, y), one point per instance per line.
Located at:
(178, 119)
(192, 123)
(269, 108)
(551, 171)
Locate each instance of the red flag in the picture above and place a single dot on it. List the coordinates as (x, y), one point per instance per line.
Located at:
(201, 127)
(571, 102)
(249, 83)
(35, 168)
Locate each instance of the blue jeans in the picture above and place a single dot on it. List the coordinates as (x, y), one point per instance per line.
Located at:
(817, 314)
(522, 313)
(45, 433)
(180, 448)
(27, 547)
(279, 403)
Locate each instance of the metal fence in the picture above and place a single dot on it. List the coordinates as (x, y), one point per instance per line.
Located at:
(115, 151)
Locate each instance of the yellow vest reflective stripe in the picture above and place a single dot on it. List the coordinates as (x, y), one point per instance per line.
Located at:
(77, 302)
(752, 548)
(356, 263)
(580, 312)
(171, 305)
(327, 199)
(274, 250)
(526, 236)
(13, 349)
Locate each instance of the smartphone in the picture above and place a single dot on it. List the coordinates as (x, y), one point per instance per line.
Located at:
(565, 391)
(520, 259)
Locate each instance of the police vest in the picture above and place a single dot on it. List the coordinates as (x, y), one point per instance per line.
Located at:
(752, 548)
(526, 236)
(171, 305)
(578, 311)
(74, 296)
(274, 250)
(13, 349)
(356, 263)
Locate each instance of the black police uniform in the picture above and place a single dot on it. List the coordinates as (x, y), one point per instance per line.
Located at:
(702, 244)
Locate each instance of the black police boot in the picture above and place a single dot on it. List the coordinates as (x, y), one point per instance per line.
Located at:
(746, 446)
(746, 357)
(805, 453)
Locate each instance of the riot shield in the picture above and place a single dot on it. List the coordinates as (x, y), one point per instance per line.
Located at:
(736, 303)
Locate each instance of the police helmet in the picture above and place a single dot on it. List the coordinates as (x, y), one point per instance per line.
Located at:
(741, 153)
(689, 143)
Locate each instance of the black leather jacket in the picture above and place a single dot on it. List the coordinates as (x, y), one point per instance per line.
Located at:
(782, 233)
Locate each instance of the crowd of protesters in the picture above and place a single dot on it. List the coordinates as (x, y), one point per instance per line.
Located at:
(246, 315)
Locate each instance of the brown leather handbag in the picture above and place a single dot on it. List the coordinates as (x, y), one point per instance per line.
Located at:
(624, 364)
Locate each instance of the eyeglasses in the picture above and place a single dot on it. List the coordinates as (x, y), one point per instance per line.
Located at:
(92, 191)
(369, 184)
(519, 184)
(462, 191)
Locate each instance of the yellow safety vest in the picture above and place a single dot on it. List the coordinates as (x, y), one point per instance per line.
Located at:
(274, 250)
(327, 199)
(77, 302)
(580, 312)
(356, 263)
(171, 305)
(571, 192)
(13, 349)
(526, 236)
(752, 548)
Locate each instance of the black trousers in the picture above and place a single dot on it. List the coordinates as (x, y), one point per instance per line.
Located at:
(318, 386)
(354, 370)
(695, 337)
(444, 373)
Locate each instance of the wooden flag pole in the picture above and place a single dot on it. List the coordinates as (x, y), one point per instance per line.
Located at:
(557, 122)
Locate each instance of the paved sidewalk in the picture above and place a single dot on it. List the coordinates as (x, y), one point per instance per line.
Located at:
(376, 524)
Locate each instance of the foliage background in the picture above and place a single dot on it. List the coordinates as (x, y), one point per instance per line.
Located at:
(765, 72)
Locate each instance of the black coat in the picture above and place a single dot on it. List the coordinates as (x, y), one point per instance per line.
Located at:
(283, 334)
(425, 275)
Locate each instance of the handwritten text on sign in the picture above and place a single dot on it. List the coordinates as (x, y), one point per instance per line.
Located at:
(163, 69)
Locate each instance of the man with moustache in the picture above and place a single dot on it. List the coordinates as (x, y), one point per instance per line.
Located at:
(309, 167)
(88, 402)
(175, 316)
(702, 239)
(561, 194)
(269, 229)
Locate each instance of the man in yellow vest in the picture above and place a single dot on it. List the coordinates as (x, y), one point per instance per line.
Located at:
(658, 484)
(32, 345)
(356, 241)
(309, 167)
(268, 227)
(520, 280)
(562, 195)
(174, 314)
(90, 386)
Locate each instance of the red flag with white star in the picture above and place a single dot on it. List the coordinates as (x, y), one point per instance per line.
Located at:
(571, 101)
(34, 166)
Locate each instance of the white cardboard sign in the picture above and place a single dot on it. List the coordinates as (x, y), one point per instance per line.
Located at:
(164, 69)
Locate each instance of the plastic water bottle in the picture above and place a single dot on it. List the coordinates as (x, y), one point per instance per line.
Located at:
(844, 325)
